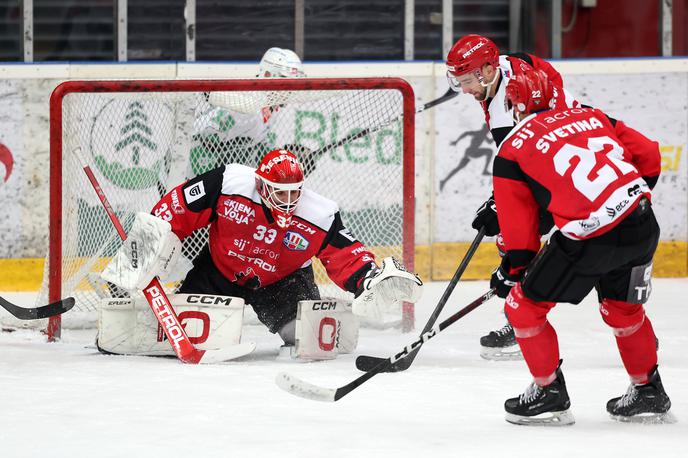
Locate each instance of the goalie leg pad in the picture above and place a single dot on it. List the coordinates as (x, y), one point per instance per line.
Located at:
(325, 328)
(128, 326)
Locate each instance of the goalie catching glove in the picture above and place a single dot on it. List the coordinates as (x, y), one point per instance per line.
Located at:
(383, 289)
(151, 249)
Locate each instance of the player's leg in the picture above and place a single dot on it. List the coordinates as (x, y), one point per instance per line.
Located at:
(554, 276)
(546, 400)
(500, 344)
(623, 293)
(276, 304)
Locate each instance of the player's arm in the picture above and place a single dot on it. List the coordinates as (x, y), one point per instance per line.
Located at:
(519, 220)
(540, 64)
(191, 205)
(644, 152)
(352, 266)
(153, 245)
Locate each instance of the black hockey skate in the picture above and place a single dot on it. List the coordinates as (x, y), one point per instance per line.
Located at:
(646, 403)
(500, 345)
(541, 406)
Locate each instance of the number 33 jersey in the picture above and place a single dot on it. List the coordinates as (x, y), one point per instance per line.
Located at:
(246, 244)
(585, 169)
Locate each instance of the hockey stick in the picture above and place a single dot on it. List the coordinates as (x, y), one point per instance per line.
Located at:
(367, 363)
(317, 154)
(301, 388)
(37, 313)
(157, 299)
(450, 94)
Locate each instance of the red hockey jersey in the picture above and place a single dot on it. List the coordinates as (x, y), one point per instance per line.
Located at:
(585, 169)
(245, 242)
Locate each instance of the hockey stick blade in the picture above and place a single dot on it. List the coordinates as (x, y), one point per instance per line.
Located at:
(297, 387)
(222, 355)
(37, 313)
(303, 389)
(366, 363)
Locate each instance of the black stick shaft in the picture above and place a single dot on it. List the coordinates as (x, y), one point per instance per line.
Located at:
(450, 94)
(414, 346)
(364, 362)
(37, 313)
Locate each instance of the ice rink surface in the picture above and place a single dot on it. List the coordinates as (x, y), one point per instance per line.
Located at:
(67, 400)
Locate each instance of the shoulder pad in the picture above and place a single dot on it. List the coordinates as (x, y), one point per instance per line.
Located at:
(316, 209)
(240, 180)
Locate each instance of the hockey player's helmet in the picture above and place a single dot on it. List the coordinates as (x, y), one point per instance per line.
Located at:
(467, 57)
(529, 92)
(279, 179)
(280, 63)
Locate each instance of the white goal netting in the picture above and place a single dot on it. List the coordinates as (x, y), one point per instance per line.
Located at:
(143, 138)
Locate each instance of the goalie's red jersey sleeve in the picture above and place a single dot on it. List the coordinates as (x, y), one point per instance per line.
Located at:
(191, 205)
(346, 260)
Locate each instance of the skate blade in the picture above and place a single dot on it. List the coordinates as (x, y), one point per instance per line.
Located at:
(563, 418)
(647, 418)
(512, 353)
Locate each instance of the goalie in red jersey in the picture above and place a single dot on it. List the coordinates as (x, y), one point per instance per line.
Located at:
(264, 230)
(595, 176)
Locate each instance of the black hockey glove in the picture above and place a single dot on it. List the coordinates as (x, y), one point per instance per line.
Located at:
(503, 279)
(487, 216)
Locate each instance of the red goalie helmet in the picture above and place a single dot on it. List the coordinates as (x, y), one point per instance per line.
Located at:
(279, 178)
(530, 91)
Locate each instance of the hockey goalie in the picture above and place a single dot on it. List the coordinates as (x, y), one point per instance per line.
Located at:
(264, 230)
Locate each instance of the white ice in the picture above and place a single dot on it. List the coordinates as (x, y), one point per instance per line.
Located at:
(66, 400)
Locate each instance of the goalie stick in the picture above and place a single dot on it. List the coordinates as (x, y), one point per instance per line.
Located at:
(297, 387)
(366, 363)
(37, 313)
(160, 304)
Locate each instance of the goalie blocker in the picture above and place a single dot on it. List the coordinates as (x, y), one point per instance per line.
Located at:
(127, 326)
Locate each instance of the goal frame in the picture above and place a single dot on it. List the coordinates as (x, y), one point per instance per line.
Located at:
(64, 89)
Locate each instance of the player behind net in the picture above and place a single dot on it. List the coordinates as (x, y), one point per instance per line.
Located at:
(606, 237)
(235, 127)
(264, 230)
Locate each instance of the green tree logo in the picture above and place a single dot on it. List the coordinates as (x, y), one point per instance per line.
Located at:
(125, 148)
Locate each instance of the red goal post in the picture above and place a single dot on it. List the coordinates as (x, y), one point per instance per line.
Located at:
(355, 137)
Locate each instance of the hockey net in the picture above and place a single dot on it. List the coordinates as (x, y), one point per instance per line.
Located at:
(141, 138)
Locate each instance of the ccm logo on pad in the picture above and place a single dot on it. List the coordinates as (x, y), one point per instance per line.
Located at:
(195, 192)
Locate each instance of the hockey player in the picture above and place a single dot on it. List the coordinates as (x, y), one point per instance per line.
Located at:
(475, 67)
(595, 176)
(264, 230)
(236, 130)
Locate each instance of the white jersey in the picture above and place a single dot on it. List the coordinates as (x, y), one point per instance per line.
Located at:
(498, 116)
(229, 124)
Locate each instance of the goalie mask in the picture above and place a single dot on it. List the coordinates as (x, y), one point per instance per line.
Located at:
(280, 63)
(529, 92)
(279, 178)
(466, 60)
